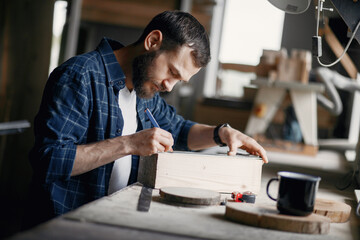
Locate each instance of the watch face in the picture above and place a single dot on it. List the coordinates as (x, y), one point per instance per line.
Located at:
(226, 125)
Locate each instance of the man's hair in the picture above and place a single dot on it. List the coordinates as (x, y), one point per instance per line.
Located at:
(178, 29)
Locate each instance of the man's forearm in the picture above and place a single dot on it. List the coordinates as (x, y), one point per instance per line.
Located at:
(201, 136)
(143, 143)
(93, 155)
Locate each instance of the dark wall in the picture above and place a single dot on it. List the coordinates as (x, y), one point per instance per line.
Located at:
(298, 30)
(92, 33)
(26, 30)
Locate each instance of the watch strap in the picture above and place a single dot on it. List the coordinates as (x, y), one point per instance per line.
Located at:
(217, 138)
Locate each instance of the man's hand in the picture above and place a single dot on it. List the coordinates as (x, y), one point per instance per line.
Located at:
(201, 136)
(236, 139)
(143, 143)
(150, 141)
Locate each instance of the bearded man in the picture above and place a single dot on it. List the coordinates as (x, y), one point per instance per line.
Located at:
(91, 127)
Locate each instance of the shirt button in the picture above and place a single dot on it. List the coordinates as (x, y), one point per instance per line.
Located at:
(119, 130)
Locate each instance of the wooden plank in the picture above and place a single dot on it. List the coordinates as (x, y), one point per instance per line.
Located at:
(128, 13)
(130, 6)
(238, 67)
(219, 173)
(138, 13)
(93, 15)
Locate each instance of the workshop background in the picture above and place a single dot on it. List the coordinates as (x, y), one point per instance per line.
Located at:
(26, 40)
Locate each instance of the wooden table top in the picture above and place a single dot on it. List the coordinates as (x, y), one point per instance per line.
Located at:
(116, 217)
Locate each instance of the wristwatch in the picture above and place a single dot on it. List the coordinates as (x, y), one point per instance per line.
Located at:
(216, 134)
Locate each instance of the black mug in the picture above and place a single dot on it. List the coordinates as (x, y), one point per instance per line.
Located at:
(296, 193)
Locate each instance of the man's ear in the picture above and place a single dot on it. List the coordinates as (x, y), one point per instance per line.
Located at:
(153, 40)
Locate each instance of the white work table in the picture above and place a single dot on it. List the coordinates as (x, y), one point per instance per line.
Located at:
(116, 217)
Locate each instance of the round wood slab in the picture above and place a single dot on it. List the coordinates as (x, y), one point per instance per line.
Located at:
(194, 196)
(338, 212)
(269, 217)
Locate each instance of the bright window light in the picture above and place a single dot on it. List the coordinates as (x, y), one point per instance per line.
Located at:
(58, 26)
(249, 27)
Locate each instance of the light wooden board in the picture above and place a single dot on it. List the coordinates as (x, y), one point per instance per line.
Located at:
(219, 173)
(336, 211)
(192, 196)
(268, 217)
(305, 106)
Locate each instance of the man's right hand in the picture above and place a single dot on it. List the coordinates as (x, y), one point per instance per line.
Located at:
(150, 141)
(143, 143)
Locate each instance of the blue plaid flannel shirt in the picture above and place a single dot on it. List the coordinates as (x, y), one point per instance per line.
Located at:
(79, 106)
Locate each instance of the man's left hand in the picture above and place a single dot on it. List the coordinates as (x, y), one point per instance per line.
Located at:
(235, 139)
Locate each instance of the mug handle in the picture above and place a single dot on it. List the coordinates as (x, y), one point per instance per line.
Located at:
(267, 188)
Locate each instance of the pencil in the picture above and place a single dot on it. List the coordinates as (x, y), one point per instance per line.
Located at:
(151, 117)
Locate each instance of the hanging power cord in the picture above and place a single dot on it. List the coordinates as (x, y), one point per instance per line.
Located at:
(317, 49)
(357, 194)
(350, 177)
(346, 180)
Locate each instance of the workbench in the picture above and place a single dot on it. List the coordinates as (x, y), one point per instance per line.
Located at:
(116, 217)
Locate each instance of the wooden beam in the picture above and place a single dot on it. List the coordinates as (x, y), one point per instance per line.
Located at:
(219, 173)
(121, 12)
(138, 13)
(338, 49)
(238, 67)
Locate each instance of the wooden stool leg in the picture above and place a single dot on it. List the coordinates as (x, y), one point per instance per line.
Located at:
(305, 108)
(269, 99)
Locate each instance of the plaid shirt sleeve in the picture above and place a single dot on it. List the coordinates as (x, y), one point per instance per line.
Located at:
(61, 124)
(79, 106)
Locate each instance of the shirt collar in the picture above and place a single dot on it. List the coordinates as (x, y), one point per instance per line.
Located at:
(114, 72)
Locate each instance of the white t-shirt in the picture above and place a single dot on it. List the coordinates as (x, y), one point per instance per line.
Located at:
(121, 171)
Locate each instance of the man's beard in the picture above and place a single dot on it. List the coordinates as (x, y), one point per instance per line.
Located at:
(140, 74)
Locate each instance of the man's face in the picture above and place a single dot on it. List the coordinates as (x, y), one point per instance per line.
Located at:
(159, 71)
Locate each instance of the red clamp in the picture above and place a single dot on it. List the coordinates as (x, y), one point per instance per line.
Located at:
(247, 197)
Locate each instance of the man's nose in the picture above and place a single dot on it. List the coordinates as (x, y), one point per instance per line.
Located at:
(169, 84)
